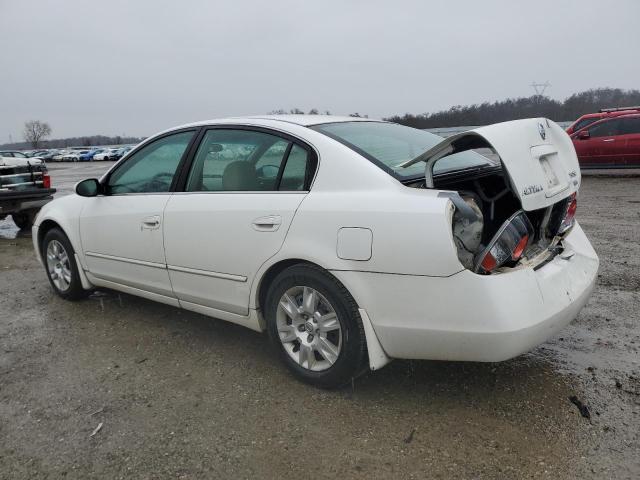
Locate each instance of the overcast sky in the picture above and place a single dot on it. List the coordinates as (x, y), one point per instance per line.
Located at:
(139, 66)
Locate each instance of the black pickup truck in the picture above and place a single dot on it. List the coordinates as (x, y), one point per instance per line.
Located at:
(25, 186)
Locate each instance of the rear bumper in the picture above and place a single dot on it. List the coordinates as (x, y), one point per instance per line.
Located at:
(473, 317)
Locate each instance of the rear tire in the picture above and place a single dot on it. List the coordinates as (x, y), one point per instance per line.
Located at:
(24, 220)
(60, 264)
(315, 325)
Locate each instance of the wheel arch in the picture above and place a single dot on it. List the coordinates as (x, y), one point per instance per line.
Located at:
(376, 355)
(45, 227)
(271, 273)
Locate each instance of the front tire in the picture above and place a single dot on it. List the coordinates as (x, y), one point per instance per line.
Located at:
(60, 264)
(315, 325)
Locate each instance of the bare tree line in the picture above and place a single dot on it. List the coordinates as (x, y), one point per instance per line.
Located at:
(36, 131)
(513, 108)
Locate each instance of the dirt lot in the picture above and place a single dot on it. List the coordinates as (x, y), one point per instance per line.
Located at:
(180, 395)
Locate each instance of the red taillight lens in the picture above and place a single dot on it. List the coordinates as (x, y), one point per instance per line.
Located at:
(508, 244)
(570, 215)
(489, 262)
(519, 250)
(46, 181)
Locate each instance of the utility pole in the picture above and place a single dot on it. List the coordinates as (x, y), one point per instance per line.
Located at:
(540, 87)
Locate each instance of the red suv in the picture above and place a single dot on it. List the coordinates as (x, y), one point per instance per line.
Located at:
(590, 118)
(611, 142)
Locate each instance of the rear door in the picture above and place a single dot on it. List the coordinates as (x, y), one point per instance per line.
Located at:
(121, 231)
(629, 141)
(241, 193)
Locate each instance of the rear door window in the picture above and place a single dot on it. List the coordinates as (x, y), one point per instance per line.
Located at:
(629, 126)
(247, 160)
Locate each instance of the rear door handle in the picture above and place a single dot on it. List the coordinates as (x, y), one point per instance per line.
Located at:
(609, 140)
(151, 222)
(270, 223)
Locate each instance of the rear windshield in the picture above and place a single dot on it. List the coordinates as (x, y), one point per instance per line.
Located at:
(389, 144)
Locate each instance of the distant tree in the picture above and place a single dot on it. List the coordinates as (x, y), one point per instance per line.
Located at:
(313, 111)
(277, 112)
(297, 111)
(327, 112)
(35, 131)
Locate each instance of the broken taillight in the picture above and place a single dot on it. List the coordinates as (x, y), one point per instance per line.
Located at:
(46, 181)
(570, 213)
(507, 245)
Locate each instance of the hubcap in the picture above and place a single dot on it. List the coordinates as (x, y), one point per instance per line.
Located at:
(58, 265)
(308, 328)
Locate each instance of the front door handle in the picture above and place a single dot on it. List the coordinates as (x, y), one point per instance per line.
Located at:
(270, 223)
(151, 222)
(609, 140)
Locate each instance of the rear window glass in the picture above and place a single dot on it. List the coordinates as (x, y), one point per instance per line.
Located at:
(389, 144)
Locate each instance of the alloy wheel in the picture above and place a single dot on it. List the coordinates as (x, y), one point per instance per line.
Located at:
(58, 265)
(308, 328)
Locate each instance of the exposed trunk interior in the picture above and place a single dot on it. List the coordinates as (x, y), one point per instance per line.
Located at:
(488, 193)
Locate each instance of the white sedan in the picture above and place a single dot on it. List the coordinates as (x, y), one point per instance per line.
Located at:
(108, 154)
(350, 241)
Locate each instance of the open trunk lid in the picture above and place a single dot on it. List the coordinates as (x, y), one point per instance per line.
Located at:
(537, 154)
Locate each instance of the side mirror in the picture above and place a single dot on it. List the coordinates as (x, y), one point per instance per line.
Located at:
(583, 134)
(89, 188)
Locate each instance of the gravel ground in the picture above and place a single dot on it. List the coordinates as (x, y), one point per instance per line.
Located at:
(179, 395)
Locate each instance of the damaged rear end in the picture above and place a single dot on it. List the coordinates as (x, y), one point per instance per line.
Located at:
(514, 210)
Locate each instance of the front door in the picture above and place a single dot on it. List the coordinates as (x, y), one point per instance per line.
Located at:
(241, 194)
(602, 146)
(121, 231)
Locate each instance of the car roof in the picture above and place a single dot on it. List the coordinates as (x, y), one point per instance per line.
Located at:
(616, 117)
(617, 113)
(302, 120)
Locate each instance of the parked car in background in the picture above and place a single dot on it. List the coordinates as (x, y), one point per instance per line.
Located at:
(59, 157)
(123, 151)
(107, 154)
(610, 143)
(25, 186)
(351, 241)
(74, 155)
(90, 155)
(37, 153)
(13, 154)
(48, 156)
(590, 118)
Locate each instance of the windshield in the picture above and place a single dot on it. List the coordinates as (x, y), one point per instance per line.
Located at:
(389, 144)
